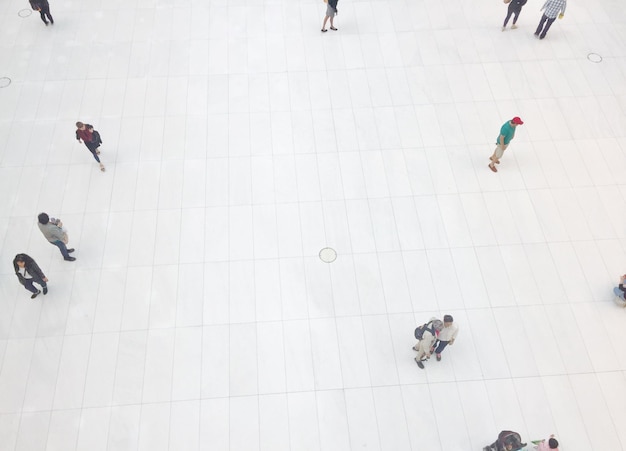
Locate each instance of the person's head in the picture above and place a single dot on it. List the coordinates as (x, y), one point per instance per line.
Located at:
(80, 126)
(43, 218)
(516, 121)
(437, 325)
(553, 443)
(20, 260)
(447, 320)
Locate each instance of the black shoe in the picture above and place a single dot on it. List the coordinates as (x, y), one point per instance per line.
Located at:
(69, 259)
(35, 294)
(69, 251)
(45, 290)
(52, 21)
(46, 23)
(541, 37)
(419, 363)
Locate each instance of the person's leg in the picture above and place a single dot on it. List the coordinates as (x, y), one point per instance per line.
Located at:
(324, 24)
(442, 345)
(62, 248)
(549, 23)
(506, 19)
(28, 284)
(332, 26)
(46, 11)
(43, 284)
(42, 14)
(541, 22)
(516, 12)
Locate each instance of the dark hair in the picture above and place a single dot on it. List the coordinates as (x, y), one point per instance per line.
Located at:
(553, 443)
(43, 218)
(79, 124)
(448, 319)
(20, 258)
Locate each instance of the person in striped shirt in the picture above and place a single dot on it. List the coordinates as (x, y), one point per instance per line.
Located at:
(551, 10)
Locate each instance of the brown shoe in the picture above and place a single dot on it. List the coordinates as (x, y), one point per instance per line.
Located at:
(493, 168)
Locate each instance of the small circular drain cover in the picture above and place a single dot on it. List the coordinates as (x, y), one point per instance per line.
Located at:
(594, 58)
(24, 12)
(328, 255)
(4, 82)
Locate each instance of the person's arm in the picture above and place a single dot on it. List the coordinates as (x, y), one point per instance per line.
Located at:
(456, 331)
(78, 135)
(501, 140)
(523, 3)
(563, 8)
(35, 270)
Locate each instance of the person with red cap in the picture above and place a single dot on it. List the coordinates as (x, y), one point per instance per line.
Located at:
(507, 133)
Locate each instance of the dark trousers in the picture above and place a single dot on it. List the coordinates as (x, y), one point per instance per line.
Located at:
(512, 10)
(548, 22)
(93, 147)
(45, 11)
(62, 248)
(28, 284)
(441, 345)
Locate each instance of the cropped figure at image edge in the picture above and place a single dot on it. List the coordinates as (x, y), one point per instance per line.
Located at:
(44, 10)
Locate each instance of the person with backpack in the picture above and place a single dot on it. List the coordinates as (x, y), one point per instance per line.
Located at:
(426, 335)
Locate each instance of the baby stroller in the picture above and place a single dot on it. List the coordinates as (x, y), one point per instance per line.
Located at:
(507, 441)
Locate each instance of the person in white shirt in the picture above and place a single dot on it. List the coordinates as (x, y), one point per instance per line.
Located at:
(28, 272)
(446, 336)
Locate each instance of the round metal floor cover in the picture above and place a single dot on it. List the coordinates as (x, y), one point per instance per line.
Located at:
(4, 82)
(594, 58)
(328, 255)
(24, 12)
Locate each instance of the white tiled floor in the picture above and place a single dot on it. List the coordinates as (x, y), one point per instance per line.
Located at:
(239, 141)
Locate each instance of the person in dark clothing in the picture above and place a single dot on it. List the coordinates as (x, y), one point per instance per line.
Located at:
(620, 292)
(28, 272)
(515, 7)
(331, 12)
(507, 441)
(91, 138)
(44, 10)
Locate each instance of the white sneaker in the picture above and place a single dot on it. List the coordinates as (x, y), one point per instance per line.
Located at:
(513, 26)
(503, 28)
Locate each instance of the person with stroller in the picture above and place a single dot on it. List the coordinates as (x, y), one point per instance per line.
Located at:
(507, 441)
(426, 335)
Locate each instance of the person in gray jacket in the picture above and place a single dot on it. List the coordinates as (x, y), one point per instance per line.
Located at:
(53, 231)
(28, 272)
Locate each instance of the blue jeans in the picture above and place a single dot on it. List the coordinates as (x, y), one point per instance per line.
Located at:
(619, 293)
(62, 248)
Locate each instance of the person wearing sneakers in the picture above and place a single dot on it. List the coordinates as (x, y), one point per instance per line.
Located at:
(515, 7)
(91, 138)
(551, 10)
(28, 272)
(331, 12)
(507, 133)
(446, 336)
(426, 334)
(52, 229)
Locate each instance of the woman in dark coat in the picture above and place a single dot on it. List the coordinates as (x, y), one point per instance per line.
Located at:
(515, 7)
(28, 272)
(44, 10)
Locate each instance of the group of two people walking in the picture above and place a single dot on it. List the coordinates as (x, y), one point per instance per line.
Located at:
(551, 10)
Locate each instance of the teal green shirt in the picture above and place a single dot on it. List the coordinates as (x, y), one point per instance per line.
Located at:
(508, 131)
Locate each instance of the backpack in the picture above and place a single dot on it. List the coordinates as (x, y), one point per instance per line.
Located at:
(433, 326)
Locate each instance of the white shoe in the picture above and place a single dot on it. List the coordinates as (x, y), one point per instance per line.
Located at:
(503, 28)
(513, 26)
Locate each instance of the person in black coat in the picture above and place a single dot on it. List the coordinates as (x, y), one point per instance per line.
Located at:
(28, 272)
(515, 7)
(44, 10)
(331, 12)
